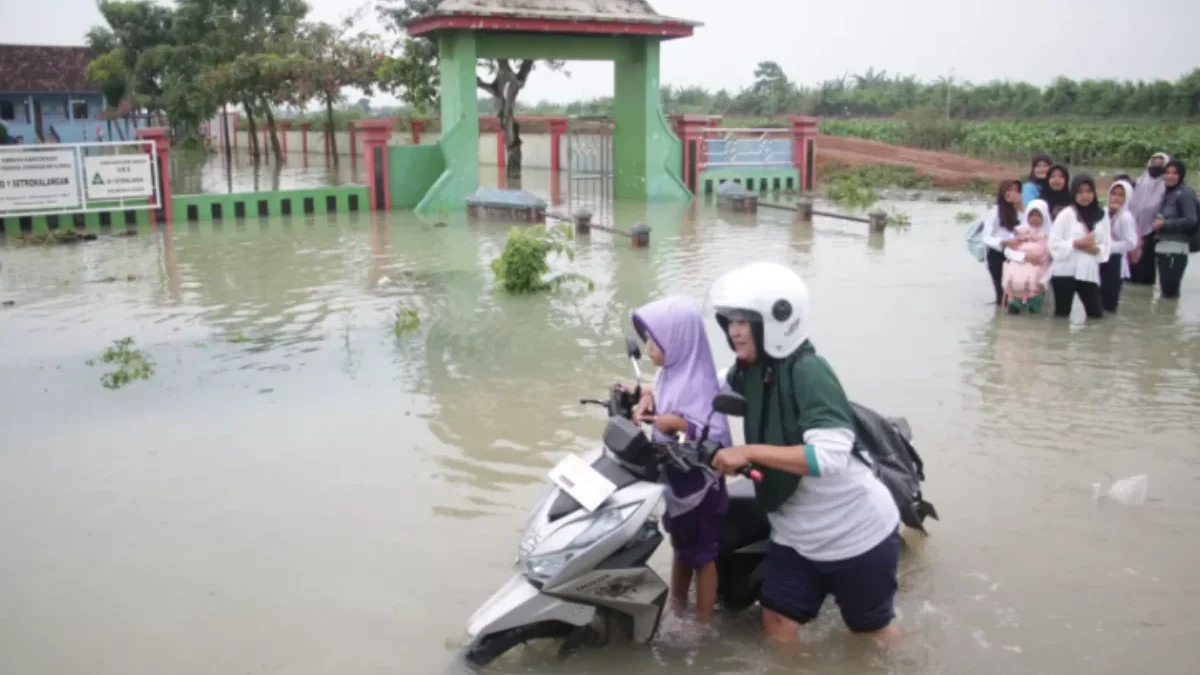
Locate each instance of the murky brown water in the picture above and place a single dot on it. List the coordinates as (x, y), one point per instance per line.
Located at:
(298, 491)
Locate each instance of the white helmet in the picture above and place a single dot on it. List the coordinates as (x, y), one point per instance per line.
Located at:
(769, 295)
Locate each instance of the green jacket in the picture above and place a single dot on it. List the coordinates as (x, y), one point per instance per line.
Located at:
(785, 398)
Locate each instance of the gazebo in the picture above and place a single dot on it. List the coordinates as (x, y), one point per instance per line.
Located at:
(647, 155)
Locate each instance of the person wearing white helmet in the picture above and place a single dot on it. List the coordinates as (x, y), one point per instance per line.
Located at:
(835, 527)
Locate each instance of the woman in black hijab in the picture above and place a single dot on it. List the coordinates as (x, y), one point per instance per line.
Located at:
(1055, 194)
(1079, 242)
(1174, 227)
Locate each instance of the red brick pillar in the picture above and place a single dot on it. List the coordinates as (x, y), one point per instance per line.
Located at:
(304, 127)
(558, 128)
(417, 127)
(804, 150)
(284, 126)
(162, 152)
(690, 130)
(375, 146)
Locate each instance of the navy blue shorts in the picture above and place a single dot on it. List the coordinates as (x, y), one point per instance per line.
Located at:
(864, 586)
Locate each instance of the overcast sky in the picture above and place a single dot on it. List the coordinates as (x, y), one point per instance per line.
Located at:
(1030, 40)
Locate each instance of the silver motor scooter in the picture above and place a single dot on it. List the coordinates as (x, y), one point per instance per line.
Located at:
(583, 556)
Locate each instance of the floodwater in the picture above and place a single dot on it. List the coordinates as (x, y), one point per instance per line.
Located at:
(298, 490)
(196, 173)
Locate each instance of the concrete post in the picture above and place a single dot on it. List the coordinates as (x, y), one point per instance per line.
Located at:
(878, 221)
(304, 127)
(162, 150)
(804, 211)
(640, 235)
(353, 145)
(583, 222)
(417, 127)
(375, 141)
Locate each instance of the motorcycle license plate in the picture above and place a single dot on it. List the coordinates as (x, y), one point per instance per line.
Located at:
(585, 484)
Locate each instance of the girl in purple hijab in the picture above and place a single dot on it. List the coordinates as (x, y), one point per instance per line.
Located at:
(680, 402)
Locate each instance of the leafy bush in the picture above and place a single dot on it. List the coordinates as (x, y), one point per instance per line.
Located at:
(132, 364)
(522, 266)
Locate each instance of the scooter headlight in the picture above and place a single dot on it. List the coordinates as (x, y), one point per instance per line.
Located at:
(563, 545)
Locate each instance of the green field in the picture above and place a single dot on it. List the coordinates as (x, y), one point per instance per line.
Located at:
(1070, 142)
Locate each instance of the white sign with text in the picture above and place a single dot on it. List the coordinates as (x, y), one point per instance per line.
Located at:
(39, 178)
(118, 177)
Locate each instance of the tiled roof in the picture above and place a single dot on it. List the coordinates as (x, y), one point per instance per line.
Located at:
(38, 68)
(634, 11)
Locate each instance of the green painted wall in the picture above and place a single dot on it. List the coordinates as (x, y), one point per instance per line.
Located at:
(759, 180)
(342, 202)
(647, 156)
(90, 221)
(460, 124)
(412, 170)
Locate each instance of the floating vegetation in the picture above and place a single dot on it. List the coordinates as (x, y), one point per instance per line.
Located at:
(522, 266)
(964, 217)
(132, 364)
(53, 237)
(898, 218)
(406, 321)
(850, 193)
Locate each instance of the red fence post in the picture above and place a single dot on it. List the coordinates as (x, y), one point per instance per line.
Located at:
(804, 150)
(558, 127)
(304, 127)
(353, 147)
(162, 148)
(284, 126)
(376, 134)
(690, 130)
(417, 127)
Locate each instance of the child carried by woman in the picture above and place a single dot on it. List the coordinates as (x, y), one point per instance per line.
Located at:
(1023, 278)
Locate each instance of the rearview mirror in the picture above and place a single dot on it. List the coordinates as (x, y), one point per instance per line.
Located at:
(631, 348)
(730, 403)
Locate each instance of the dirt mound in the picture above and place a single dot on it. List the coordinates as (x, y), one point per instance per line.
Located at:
(946, 169)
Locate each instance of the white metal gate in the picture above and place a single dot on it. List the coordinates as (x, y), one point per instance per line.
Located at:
(589, 150)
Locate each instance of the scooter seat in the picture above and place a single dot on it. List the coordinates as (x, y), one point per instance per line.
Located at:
(746, 523)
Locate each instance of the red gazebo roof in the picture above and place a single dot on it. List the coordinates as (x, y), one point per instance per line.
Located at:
(588, 17)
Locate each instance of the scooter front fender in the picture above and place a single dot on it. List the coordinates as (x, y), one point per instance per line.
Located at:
(519, 603)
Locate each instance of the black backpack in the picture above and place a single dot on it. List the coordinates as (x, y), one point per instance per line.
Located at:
(1194, 240)
(883, 444)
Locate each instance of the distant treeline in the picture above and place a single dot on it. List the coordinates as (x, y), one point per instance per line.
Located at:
(879, 94)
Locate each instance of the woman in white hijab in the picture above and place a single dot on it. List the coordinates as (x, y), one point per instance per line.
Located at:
(1147, 196)
(1125, 240)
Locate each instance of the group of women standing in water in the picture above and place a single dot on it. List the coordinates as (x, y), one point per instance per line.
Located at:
(1053, 236)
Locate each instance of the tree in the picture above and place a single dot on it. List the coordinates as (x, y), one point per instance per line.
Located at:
(332, 61)
(413, 75)
(108, 72)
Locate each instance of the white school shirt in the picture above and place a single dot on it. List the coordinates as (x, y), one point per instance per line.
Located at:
(1071, 262)
(1124, 238)
(994, 236)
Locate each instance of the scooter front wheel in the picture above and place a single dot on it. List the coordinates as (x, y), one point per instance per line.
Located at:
(491, 647)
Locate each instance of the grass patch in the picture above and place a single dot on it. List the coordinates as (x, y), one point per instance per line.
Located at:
(54, 237)
(132, 364)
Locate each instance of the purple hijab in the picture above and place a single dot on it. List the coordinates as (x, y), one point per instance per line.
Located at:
(687, 382)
